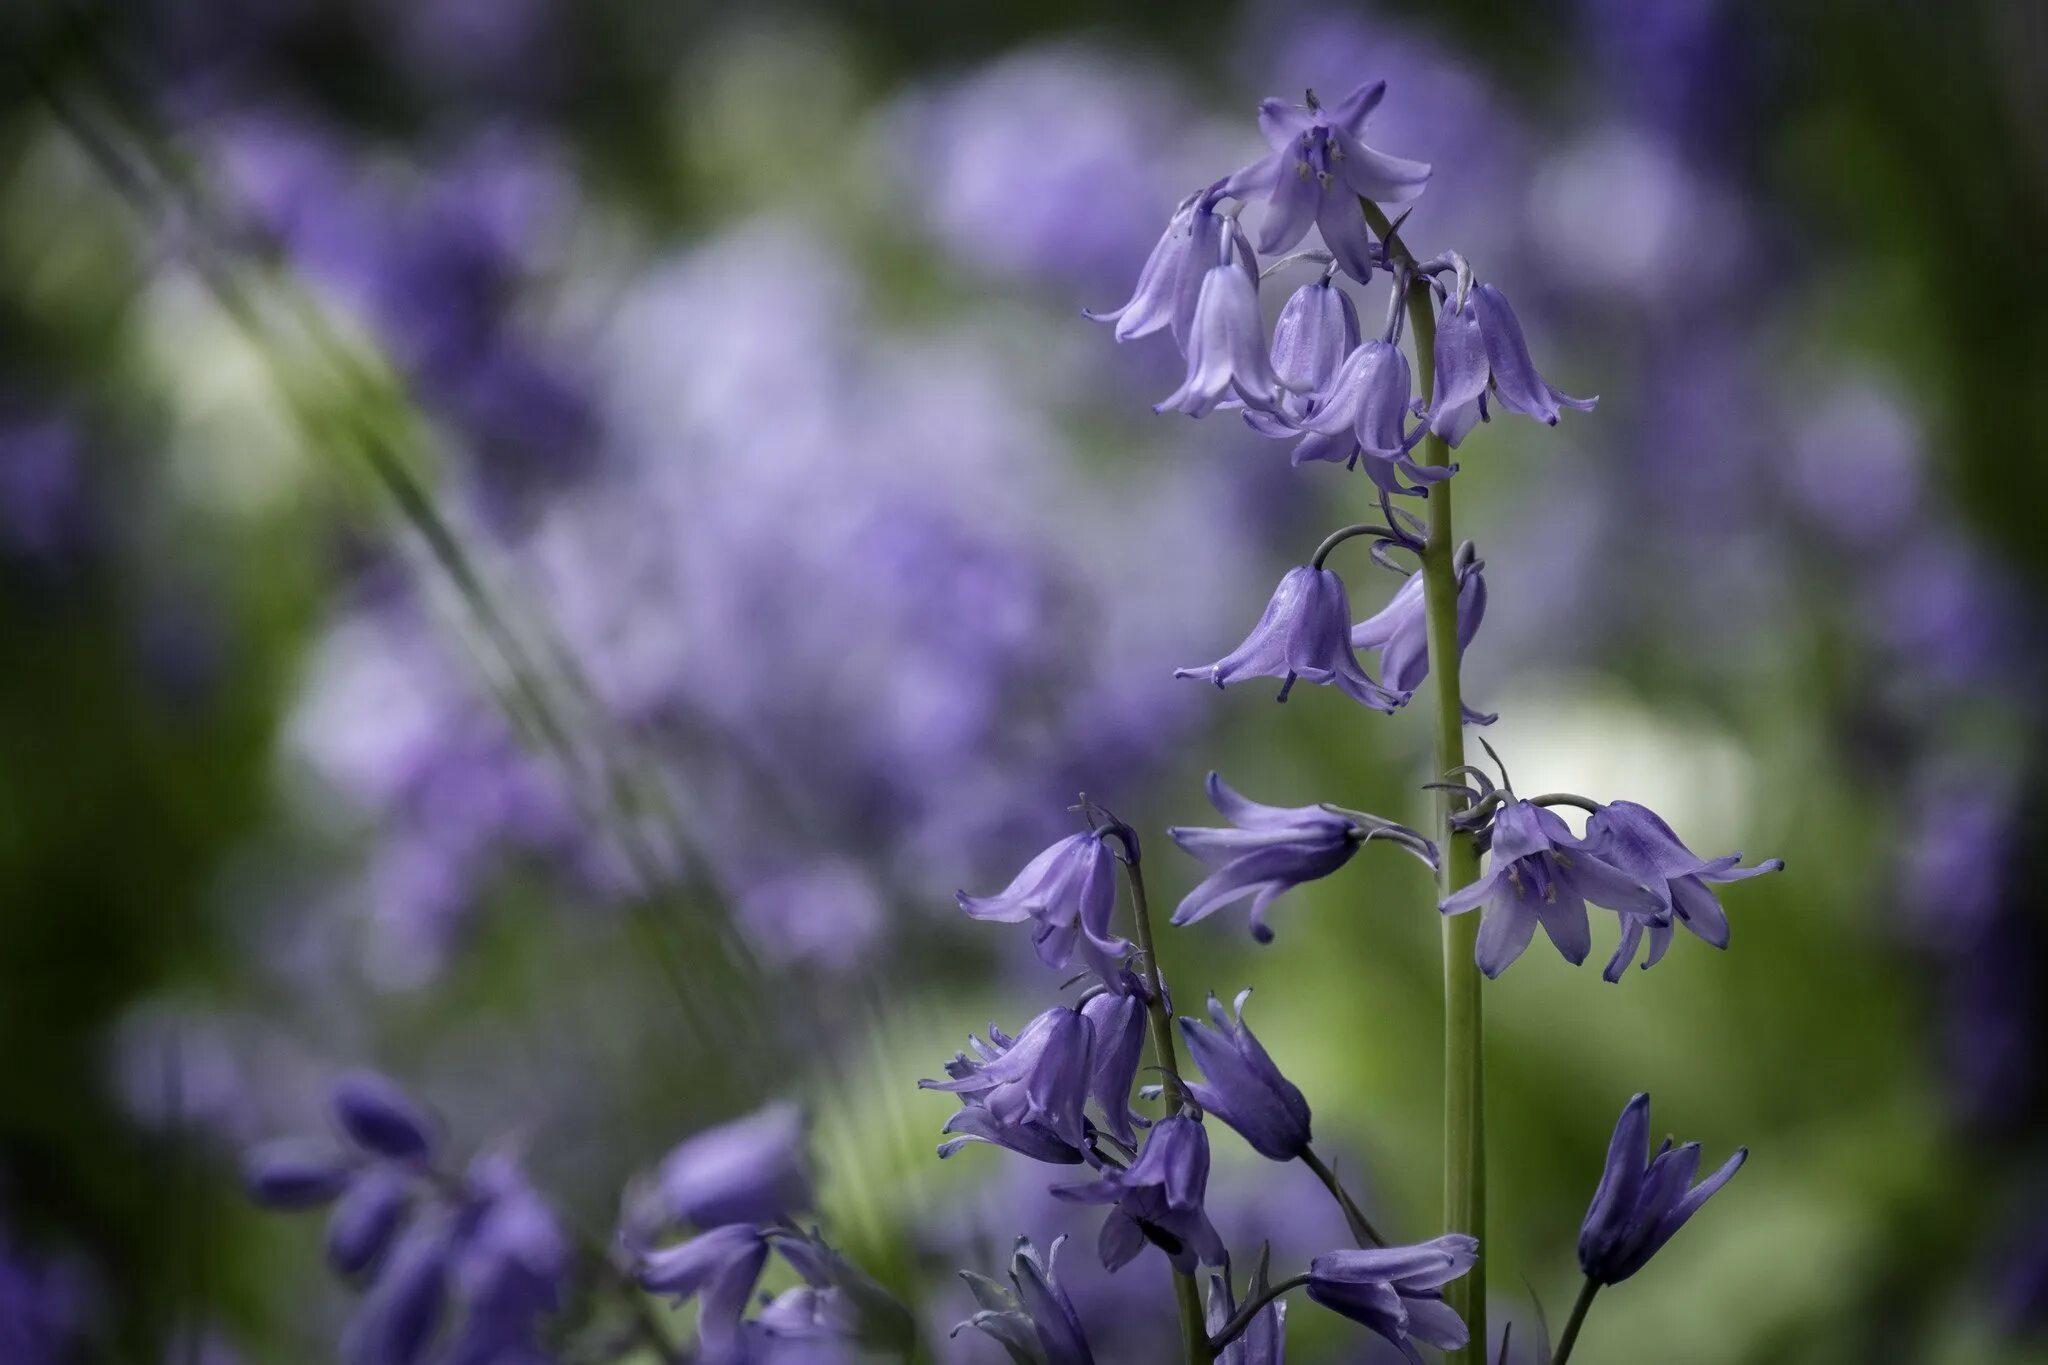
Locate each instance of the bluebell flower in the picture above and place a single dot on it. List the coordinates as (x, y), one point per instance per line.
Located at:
(1170, 284)
(1481, 344)
(1317, 171)
(366, 1218)
(1400, 630)
(380, 1118)
(1226, 348)
(1305, 634)
(1637, 840)
(1540, 873)
(752, 1170)
(396, 1321)
(1036, 1324)
(293, 1173)
(1158, 1199)
(1118, 1022)
(1271, 850)
(1398, 1291)
(1068, 892)
(512, 1268)
(1241, 1085)
(720, 1269)
(1642, 1199)
(1263, 1340)
(1026, 1093)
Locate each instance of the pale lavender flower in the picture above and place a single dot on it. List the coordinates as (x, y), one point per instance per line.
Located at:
(1226, 348)
(1398, 1291)
(1241, 1085)
(1170, 284)
(1037, 1322)
(1636, 840)
(1304, 633)
(1642, 1199)
(1540, 873)
(396, 1321)
(1400, 630)
(1271, 850)
(1068, 892)
(1481, 345)
(1158, 1199)
(752, 1170)
(1026, 1093)
(1319, 168)
(367, 1217)
(293, 1173)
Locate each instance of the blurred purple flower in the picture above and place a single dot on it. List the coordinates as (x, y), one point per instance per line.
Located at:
(752, 1170)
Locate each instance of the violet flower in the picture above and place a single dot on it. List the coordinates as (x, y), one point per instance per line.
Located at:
(751, 1170)
(1158, 1200)
(1304, 633)
(1117, 1018)
(1226, 348)
(722, 1266)
(1398, 1291)
(1037, 1323)
(1642, 1199)
(1540, 873)
(397, 1319)
(1317, 171)
(1170, 284)
(1271, 850)
(1025, 1093)
(293, 1173)
(380, 1118)
(366, 1218)
(1068, 892)
(1241, 1085)
(1635, 839)
(1400, 630)
(1263, 1340)
(1481, 344)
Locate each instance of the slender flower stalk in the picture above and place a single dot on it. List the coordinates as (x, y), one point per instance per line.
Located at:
(1458, 866)
(1194, 1332)
(1572, 1324)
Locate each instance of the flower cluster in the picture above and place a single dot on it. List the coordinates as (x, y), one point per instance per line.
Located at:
(456, 1266)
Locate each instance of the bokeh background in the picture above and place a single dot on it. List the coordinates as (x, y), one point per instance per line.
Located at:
(541, 542)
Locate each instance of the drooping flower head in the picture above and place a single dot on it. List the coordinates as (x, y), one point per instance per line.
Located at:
(1400, 630)
(1637, 840)
(1037, 1323)
(719, 1268)
(1068, 892)
(1158, 1199)
(1318, 170)
(1025, 1093)
(1541, 873)
(1241, 1085)
(1117, 1018)
(1643, 1199)
(1481, 344)
(1226, 347)
(1170, 284)
(1271, 850)
(1398, 1291)
(1304, 634)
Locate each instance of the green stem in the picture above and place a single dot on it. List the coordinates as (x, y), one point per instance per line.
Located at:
(1574, 1322)
(1194, 1332)
(1458, 864)
(1354, 1217)
(1242, 1318)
